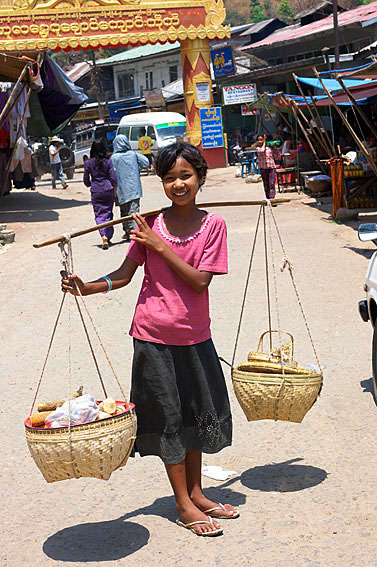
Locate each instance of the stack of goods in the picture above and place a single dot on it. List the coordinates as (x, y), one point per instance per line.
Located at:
(81, 409)
(365, 200)
(81, 437)
(353, 170)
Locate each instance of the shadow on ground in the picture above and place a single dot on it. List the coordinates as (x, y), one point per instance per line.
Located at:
(96, 542)
(366, 252)
(30, 206)
(116, 539)
(283, 477)
(367, 386)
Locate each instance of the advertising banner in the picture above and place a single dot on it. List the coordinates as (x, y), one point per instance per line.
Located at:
(222, 61)
(239, 94)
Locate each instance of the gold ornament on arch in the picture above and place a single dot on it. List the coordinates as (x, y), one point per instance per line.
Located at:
(50, 4)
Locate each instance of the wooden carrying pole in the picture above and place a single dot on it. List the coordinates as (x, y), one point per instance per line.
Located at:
(156, 212)
(348, 125)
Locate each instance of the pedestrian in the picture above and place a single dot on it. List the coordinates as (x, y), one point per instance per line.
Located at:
(56, 163)
(100, 176)
(178, 386)
(145, 144)
(127, 165)
(267, 165)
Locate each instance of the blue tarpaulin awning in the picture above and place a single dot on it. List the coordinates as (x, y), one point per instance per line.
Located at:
(332, 84)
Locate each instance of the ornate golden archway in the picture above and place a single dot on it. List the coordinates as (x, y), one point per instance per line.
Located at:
(29, 25)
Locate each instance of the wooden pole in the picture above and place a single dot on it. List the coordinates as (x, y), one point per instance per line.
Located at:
(319, 117)
(156, 212)
(324, 141)
(306, 135)
(358, 107)
(348, 125)
(7, 171)
(9, 102)
(308, 127)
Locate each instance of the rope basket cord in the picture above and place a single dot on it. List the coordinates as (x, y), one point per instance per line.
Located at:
(271, 385)
(93, 449)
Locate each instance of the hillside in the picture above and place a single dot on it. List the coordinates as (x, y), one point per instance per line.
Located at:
(244, 11)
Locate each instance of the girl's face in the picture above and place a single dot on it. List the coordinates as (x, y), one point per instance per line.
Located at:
(260, 140)
(181, 183)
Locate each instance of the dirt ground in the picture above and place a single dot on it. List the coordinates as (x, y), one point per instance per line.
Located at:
(306, 492)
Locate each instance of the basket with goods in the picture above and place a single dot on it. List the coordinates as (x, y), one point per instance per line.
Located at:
(271, 384)
(80, 436)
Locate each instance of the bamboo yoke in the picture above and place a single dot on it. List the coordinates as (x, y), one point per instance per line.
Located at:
(156, 212)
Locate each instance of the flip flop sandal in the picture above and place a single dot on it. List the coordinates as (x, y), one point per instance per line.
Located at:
(222, 508)
(190, 526)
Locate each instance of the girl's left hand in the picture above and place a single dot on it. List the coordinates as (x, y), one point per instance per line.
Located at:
(146, 236)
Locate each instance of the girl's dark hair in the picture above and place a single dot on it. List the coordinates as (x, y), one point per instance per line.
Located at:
(168, 156)
(98, 151)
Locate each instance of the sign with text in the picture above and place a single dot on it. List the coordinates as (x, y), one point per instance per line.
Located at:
(211, 124)
(239, 94)
(222, 61)
(82, 24)
(247, 111)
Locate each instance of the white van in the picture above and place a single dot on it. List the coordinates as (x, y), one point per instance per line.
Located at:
(163, 127)
(84, 139)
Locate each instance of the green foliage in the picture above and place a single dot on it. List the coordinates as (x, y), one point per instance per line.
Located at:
(363, 2)
(285, 11)
(258, 15)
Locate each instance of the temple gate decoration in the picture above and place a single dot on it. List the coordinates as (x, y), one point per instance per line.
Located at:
(30, 25)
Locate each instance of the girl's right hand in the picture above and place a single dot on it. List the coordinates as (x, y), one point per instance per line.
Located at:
(68, 284)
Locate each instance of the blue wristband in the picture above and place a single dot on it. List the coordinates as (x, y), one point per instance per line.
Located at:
(109, 284)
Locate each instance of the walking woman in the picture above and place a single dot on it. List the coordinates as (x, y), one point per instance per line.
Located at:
(99, 175)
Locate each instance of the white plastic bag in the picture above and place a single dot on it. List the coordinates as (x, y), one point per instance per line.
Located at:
(84, 409)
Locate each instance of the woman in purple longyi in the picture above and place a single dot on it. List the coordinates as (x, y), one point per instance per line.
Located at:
(99, 175)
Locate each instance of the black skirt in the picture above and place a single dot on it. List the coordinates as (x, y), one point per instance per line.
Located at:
(181, 400)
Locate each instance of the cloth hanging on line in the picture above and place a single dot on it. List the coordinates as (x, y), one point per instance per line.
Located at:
(60, 99)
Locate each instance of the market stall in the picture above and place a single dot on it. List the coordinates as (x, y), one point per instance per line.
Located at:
(36, 99)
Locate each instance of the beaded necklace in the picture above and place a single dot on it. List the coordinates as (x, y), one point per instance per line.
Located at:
(181, 239)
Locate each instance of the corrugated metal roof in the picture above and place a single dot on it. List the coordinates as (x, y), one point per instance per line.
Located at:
(256, 28)
(357, 15)
(138, 53)
(78, 71)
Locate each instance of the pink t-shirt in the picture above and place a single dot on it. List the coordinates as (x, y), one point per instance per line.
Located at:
(168, 310)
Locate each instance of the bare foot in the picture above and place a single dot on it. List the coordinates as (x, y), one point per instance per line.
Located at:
(190, 513)
(203, 503)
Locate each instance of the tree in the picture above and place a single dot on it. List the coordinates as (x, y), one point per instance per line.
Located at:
(285, 11)
(258, 14)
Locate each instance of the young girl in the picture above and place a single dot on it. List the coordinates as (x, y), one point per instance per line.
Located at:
(267, 165)
(99, 175)
(178, 386)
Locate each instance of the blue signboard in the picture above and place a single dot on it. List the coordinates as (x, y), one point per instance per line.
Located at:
(222, 61)
(211, 124)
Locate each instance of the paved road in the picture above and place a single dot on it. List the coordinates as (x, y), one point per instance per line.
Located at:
(306, 492)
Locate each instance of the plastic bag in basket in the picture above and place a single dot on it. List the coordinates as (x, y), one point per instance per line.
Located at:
(83, 410)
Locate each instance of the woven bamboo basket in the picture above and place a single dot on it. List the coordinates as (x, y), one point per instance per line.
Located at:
(94, 449)
(273, 386)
